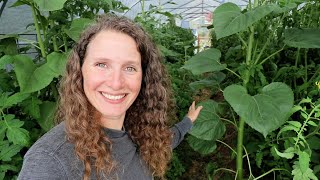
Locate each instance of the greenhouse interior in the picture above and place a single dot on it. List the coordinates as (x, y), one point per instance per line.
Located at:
(160, 89)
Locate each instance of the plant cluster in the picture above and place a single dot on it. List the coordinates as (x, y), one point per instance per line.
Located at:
(270, 57)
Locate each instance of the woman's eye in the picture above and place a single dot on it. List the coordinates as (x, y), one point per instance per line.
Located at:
(130, 69)
(101, 65)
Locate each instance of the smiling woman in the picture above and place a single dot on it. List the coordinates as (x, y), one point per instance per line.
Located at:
(113, 110)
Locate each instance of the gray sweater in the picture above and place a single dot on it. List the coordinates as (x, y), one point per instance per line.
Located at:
(53, 157)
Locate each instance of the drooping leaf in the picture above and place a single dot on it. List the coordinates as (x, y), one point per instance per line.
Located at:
(47, 110)
(302, 38)
(32, 78)
(208, 125)
(288, 153)
(77, 26)
(264, 112)
(202, 146)
(8, 151)
(46, 5)
(14, 99)
(205, 61)
(228, 18)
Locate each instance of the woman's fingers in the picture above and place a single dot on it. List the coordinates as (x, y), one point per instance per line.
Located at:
(193, 112)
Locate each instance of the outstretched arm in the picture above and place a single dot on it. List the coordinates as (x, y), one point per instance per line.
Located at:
(180, 129)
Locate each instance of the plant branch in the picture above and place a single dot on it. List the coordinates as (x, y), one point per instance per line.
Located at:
(305, 123)
(233, 73)
(225, 169)
(229, 122)
(42, 49)
(245, 150)
(263, 61)
(272, 170)
(226, 145)
(243, 42)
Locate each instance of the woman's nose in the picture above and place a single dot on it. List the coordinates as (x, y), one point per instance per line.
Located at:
(116, 80)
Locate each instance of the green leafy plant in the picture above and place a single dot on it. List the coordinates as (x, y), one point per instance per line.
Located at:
(261, 105)
(298, 138)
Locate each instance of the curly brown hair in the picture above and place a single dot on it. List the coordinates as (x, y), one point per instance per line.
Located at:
(145, 120)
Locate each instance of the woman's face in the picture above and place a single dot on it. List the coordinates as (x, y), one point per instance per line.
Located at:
(112, 74)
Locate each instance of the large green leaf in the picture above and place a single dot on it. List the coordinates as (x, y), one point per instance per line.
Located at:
(211, 82)
(77, 26)
(202, 146)
(208, 125)
(47, 110)
(302, 38)
(47, 5)
(32, 78)
(228, 19)
(205, 61)
(7, 151)
(264, 112)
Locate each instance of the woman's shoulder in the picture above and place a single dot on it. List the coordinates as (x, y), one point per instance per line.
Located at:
(51, 142)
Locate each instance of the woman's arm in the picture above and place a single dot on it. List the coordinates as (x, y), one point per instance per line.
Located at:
(41, 165)
(180, 129)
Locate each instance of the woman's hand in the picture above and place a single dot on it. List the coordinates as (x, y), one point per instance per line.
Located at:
(193, 112)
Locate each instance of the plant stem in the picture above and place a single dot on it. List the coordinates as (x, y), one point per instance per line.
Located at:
(65, 42)
(306, 66)
(54, 39)
(250, 44)
(240, 149)
(43, 52)
(296, 66)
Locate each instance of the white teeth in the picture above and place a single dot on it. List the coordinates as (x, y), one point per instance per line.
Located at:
(112, 97)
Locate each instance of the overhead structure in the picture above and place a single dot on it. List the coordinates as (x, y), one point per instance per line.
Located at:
(187, 9)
